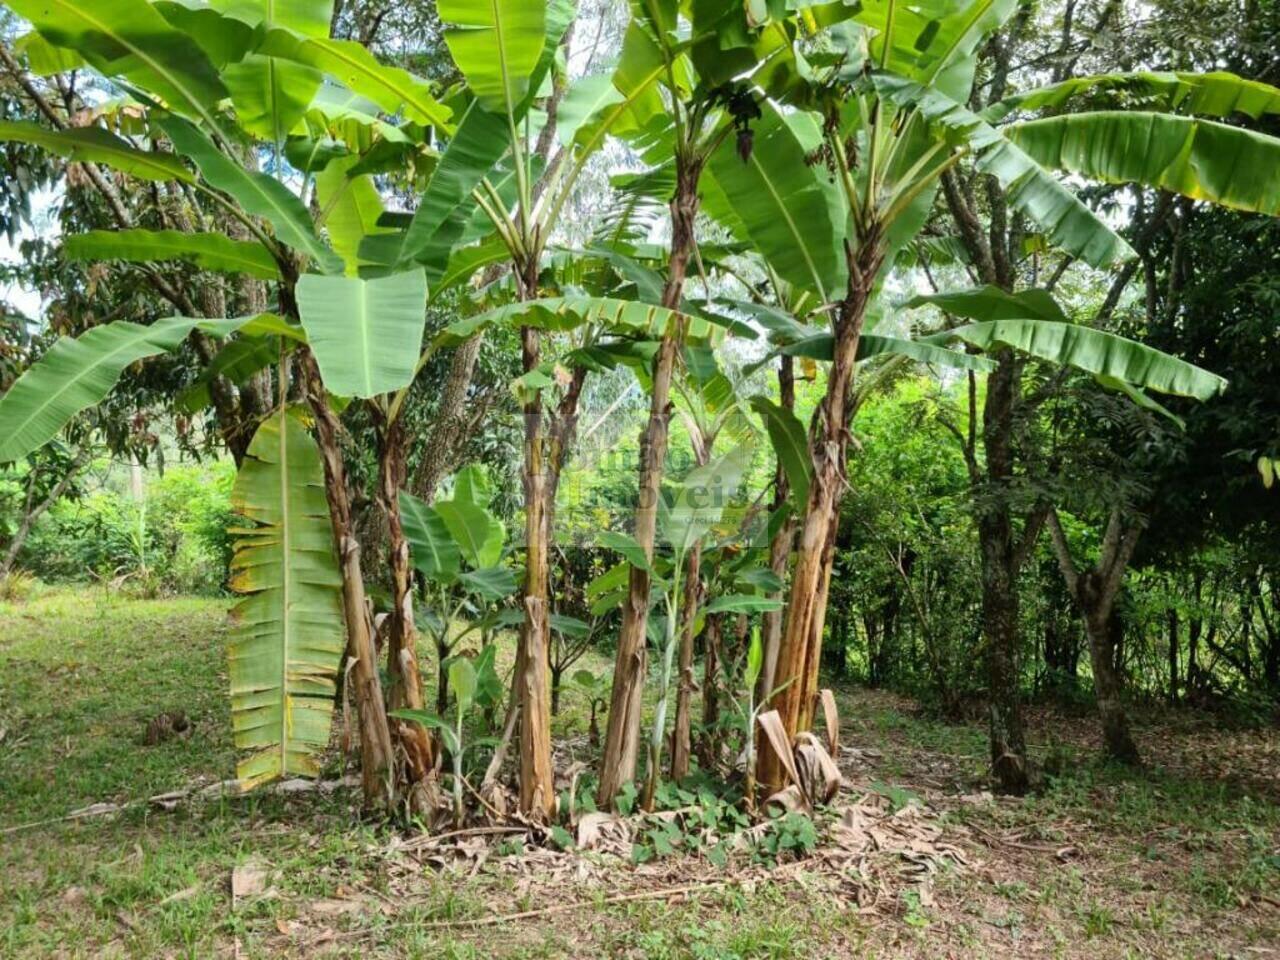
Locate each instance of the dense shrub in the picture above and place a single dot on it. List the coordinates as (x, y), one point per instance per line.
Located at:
(173, 540)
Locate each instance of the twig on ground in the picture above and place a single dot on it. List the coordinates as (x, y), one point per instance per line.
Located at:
(559, 908)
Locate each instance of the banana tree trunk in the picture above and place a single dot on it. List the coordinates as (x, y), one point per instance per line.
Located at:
(546, 447)
(622, 739)
(402, 635)
(537, 778)
(709, 742)
(780, 545)
(375, 735)
(801, 647)
(681, 736)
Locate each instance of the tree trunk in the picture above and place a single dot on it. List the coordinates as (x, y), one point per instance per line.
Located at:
(622, 738)
(1000, 602)
(1095, 592)
(537, 778)
(681, 735)
(537, 692)
(780, 545)
(800, 650)
(709, 742)
(1117, 742)
(375, 736)
(450, 430)
(1173, 655)
(402, 636)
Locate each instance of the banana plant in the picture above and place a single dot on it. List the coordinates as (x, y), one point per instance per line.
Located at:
(470, 683)
(687, 512)
(710, 405)
(879, 91)
(284, 81)
(498, 162)
(456, 547)
(683, 120)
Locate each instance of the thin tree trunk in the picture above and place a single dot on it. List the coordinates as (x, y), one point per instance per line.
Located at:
(681, 735)
(1117, 741)
(1095, 592)
(402, 635)
(450, 429)
(32, 512)
(1000, 601)
(537, 778)
(800, 650)
(780, 545)
(622, 739)
(375, 735)
(709, 744)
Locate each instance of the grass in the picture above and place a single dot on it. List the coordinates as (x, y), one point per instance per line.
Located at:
(1167, 861)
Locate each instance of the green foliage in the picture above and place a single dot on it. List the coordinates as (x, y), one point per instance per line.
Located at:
(185, 540)
(791, 836)
(366, 334)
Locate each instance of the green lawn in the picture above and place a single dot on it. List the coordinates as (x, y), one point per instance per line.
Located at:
(1174, 860)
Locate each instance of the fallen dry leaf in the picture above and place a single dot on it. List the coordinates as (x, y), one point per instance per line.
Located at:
(248, 879)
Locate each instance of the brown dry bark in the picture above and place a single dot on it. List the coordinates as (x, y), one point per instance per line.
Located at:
(413, 739)
(780, 545)
(533, 672)
(375, 735)
(799, 652)
(622, 739)
(681, 734)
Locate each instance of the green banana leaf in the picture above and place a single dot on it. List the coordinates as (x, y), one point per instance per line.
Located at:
(208, 251)
(776, 195)
(77, 373)
(348, 62)
(497, 44)
(96, 145)
(699, 500)
(271, 95)
(351, 207)
(567, 313)
(434, 552)
(489, 583)
(257, 193)
(1200, 159)
(790, 445)
(308, 17)
(1031, 188)
(1217, 94)
(477, 532)
(238, 360)
(130, 39)
(474, 149)
(821, 346)
(288, 641)
(991, 303)
(1094, 351)
(366, 333)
